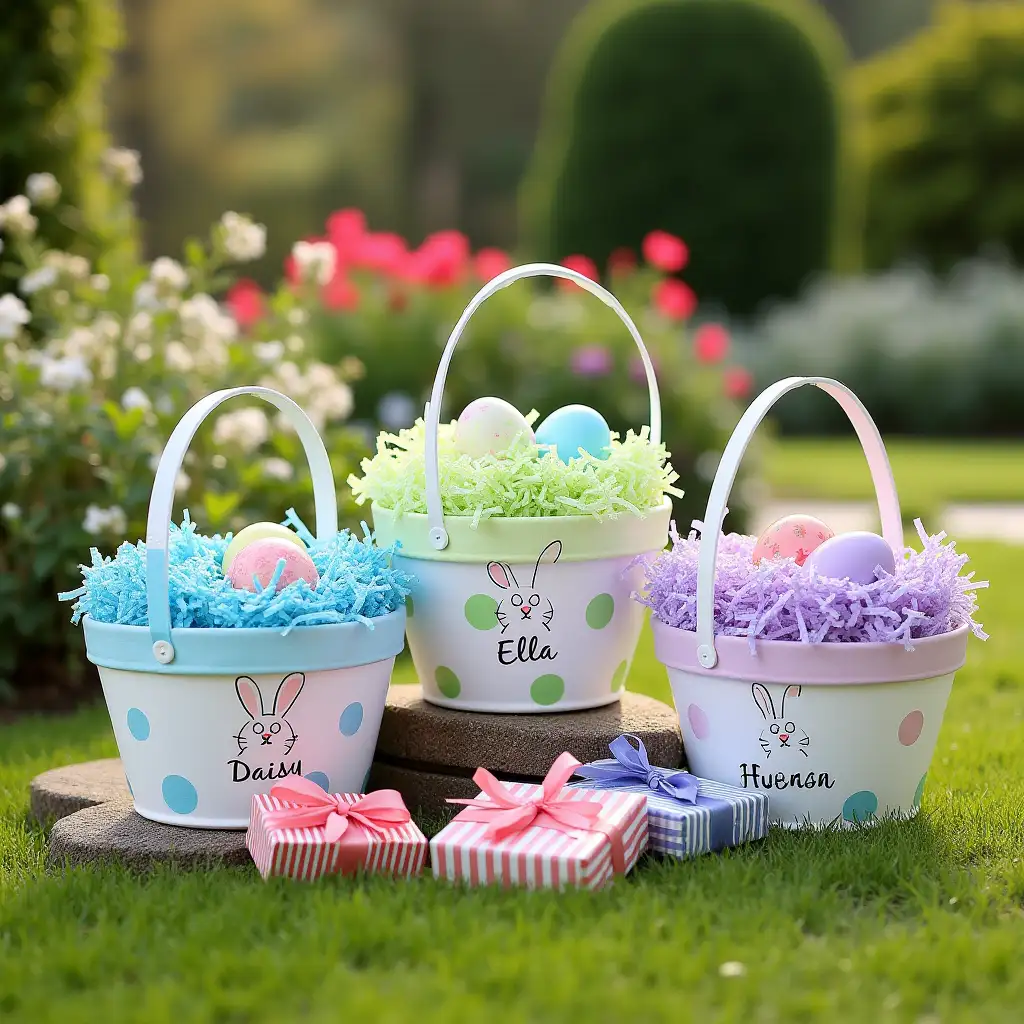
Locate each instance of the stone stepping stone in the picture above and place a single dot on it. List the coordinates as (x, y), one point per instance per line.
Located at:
(113, 832)
(429, 753)
(62, 791)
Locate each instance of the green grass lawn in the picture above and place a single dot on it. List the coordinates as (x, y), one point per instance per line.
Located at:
(928, 474)
(922, 921)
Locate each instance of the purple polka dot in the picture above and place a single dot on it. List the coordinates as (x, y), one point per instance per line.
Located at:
(910, 728)
(698, 722)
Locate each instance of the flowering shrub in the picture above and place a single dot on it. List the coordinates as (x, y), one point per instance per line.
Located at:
(99, 363)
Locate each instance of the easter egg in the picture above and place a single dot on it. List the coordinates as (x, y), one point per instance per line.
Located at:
(259, 560)
(853, 556)
(254, 532)
(793, 537)
(489, 425)
(573, 427)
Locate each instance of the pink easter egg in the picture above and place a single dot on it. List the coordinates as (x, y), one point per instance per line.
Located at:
(258, 561)
(794, 536)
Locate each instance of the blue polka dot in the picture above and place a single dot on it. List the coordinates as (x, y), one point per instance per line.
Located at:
(860, 806)
(351, 719)
(179, 794)
(320, 779)
(366, 780)
(138, 724)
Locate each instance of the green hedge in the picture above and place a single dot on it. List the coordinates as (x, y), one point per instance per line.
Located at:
(715, 120)
(55, 57)
(943, 139)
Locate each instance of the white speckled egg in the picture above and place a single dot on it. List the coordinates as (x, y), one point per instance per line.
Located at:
(852, 556)
(489, 425)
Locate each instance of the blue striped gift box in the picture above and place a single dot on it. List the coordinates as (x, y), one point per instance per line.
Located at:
(722, 816)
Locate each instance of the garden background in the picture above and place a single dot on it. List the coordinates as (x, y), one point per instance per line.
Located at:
(197, 195)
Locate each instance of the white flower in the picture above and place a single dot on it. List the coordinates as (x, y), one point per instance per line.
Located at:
(268, 351)
(10, 511)
(397, 410)
(107, 327)
(182, 481)
(295, 343)
(218, 461)
(178, 357)
(277, 469)
(136, 398)
(77, 267)
(37, 280)
(297, 317)
(43, 189)
(145, 297)
(204, 321)
(732, 969)
(123, 166)
(64, 373)
(168, 276)
(164, 405)
(61, 297)
(14, 315)
(243, 239)
(139, 327)
(143, 353)
(105, 520)
(16, 217)
(100, 282)
(81, 343)
(248, 428)
(315, 261)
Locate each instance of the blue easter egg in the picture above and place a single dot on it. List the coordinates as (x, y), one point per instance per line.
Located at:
(574, 427)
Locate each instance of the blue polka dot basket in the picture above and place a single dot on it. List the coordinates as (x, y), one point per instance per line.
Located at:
(207, 718)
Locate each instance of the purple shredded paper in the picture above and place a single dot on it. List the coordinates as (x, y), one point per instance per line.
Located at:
(780, 600)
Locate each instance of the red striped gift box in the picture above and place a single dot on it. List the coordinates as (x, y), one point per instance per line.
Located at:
(542, 857)
(305, 853)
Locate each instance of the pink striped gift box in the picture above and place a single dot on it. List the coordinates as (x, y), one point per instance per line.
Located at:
(539, 856)
(305, 853)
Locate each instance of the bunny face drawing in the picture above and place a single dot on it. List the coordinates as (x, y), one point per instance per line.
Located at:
(781, 731)
(525, 608)
(268, 734)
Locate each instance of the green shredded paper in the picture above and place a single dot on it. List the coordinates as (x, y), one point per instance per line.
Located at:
(524, 480)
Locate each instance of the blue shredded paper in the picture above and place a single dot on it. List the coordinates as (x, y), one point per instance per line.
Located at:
(358, 583)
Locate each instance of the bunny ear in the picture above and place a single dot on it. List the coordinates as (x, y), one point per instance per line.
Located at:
(791, 691)
(289, 689)
(501, 575)
(249, 695)
(550, 554)
(763, 699)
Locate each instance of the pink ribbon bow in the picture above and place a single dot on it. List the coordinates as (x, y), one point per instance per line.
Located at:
(344, 822)
(507, 814)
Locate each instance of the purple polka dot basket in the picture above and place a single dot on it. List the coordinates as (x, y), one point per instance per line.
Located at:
(834, 733)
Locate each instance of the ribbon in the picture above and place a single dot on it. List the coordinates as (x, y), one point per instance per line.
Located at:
(347, 824)
(630, 764)
(507, 814)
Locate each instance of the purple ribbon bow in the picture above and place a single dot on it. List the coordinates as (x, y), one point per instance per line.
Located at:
(630, 764)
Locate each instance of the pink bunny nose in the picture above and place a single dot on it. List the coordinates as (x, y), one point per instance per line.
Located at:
(266, 735)
(783, 736)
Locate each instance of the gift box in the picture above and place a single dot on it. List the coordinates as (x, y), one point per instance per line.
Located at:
(302, 832)
(541, 836)
(686, 815)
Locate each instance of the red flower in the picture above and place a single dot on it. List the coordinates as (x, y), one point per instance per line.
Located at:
(245, 300)
(738, 382)
(582, 265)
(621, 261)
(665, 251)
(674, 299)
(340, 293)
(345, 230)
(383, 252)
(711, 343)
(489, 263)
(441, 261)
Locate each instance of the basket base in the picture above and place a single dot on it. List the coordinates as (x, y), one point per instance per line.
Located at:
(517, 708)
(210, 824)
(839, 823)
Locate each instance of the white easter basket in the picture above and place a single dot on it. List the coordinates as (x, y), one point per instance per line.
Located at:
(576, 653)
(206, 718)
(832, 732)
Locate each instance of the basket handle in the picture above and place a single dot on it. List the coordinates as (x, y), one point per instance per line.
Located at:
(881, 476)
(158, 525)
(432, 415)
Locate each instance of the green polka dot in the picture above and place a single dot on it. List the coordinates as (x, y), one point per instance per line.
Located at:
(547, 690)
(409, 607)
(600, 611)
(447, 682)
(919, 793)
(619, 679)
(481, 611)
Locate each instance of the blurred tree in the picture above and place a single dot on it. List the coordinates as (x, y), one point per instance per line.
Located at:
(943, 138)
(716, 120)
(55, 57)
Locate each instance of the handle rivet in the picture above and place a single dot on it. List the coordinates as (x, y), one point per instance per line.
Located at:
(163, 652)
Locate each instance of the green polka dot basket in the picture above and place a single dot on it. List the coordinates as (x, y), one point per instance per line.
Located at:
(529, 614)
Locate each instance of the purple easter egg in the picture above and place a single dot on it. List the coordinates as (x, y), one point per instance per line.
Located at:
(852, 556)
